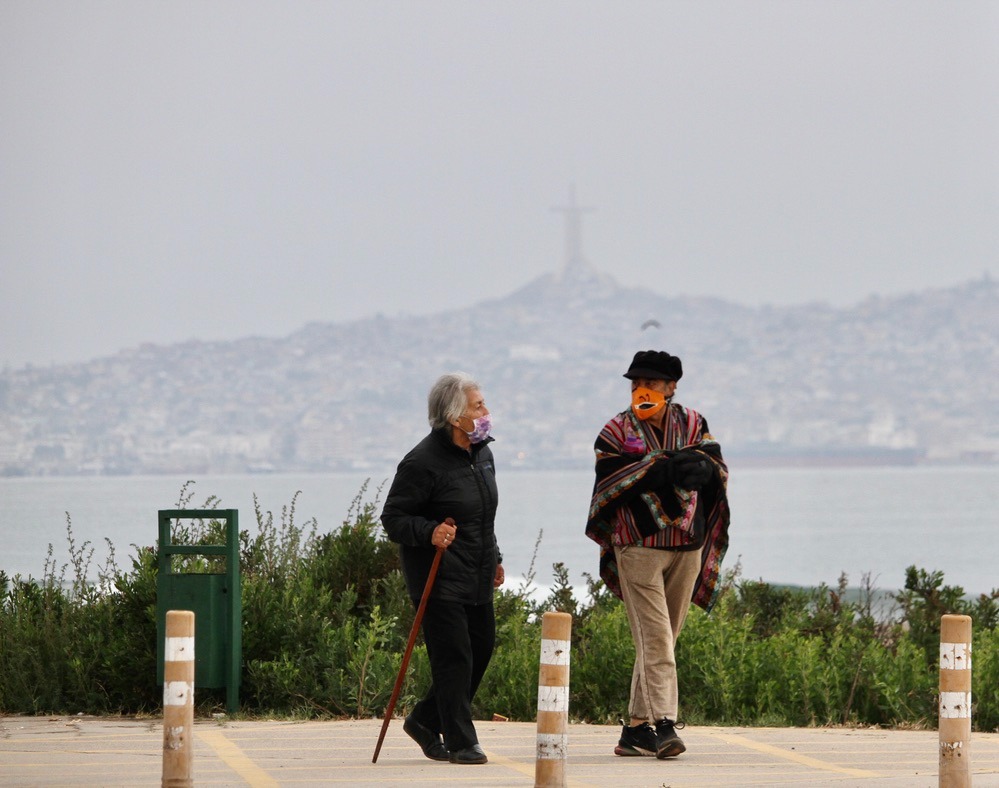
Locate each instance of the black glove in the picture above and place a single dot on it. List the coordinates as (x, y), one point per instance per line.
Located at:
(659, 476)
(690, 470)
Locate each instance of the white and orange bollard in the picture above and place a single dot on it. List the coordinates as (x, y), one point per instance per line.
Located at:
(954, 725)
(553, 701)
(178, 699)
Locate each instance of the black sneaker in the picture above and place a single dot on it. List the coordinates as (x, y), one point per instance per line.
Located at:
(668, 744)
(636, 740)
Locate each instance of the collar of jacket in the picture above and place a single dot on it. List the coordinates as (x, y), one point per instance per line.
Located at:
(443, 434)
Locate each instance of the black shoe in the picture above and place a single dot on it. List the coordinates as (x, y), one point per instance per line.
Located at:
(471, 754)
(636, 740)
(668, 744)
(429, 741)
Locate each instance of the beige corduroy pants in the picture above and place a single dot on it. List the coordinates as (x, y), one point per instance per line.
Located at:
(656, 586)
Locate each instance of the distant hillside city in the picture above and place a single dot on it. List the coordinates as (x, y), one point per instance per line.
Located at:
(900, 380)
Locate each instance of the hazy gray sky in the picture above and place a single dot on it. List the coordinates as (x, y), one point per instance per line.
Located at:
(174, 170)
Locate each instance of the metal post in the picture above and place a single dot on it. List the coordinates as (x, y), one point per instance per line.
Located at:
(178, 699)
(955, 702)
(553, 701)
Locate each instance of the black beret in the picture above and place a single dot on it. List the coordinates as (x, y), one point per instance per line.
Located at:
(655, 365)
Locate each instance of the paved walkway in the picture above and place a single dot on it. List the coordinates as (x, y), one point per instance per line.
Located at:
(65, 751)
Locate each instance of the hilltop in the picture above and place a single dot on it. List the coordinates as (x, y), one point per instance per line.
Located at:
(890, 380)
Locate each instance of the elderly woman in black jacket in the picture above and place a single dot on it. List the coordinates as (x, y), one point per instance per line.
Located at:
(444, 497)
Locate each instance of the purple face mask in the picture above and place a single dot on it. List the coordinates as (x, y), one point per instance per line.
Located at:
(480, 430)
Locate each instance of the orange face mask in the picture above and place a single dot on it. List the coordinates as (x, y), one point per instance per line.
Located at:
(646, 403)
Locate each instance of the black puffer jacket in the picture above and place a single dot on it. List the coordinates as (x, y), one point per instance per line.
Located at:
(436, 480)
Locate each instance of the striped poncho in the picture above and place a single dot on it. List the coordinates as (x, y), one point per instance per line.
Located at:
(625, 509)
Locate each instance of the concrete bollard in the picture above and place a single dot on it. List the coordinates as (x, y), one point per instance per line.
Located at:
(178, 699)
(954, 725)
(553, 701)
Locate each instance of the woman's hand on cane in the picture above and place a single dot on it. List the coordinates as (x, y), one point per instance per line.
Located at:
(443, 535)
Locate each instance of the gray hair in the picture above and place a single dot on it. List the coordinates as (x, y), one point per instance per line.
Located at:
(448, 398)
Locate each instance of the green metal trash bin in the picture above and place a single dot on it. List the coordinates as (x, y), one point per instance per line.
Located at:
(214, 598)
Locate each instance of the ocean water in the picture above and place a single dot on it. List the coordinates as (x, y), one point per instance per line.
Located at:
(802, 526)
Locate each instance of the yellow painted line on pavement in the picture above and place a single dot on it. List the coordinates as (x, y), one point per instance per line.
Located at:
(523, 768)
(786, 755)
(237, 760)
(510, 763)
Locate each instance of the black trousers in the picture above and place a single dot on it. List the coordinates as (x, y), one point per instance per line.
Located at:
(460, 640)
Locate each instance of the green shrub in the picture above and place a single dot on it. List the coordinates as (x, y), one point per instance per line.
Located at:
(985, 679)
(510, 686)
(326, 619)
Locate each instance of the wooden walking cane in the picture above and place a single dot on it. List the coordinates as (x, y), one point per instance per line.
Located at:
(409, 647)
